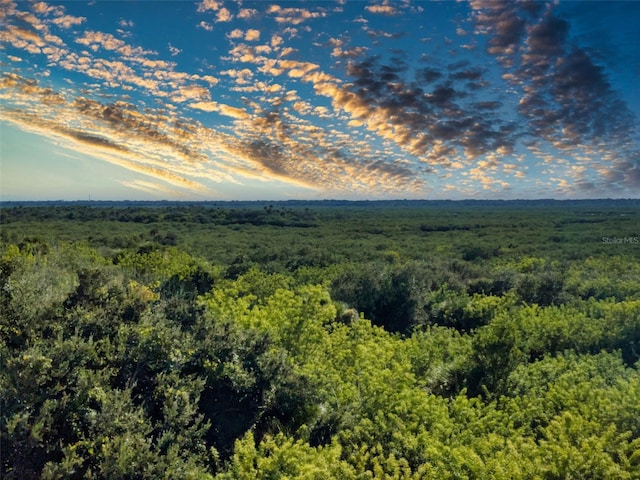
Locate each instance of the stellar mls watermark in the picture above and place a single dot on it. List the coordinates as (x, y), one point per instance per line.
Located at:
(621, 240)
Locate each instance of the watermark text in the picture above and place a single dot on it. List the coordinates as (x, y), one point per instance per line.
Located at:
(621, 240)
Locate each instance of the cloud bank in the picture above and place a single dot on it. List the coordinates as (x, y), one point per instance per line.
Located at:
(370, 110)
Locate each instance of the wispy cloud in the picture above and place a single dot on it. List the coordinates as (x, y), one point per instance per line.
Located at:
(153, 188)
(382, 9)
(294, 16)
(227, 110)
(174, 50)
(68, 21)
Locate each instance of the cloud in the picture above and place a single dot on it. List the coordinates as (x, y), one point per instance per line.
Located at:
(227, 110)
(287, 51)
(503, 22)
(98, 147)
(278, 145)
(294, 16)
(28, 90)
(68, 21)
(154, 143)
(206, 26)
(428, 75)
(432, 123)
(124, 121)
(174, 50)
(252, 35)
(158, 144)
(241, 77)
(114, 73)
(382, 33)
(190, 92)
(153, 188)
(471, 74)
(567, 99)
(382, 10)
(235, 34)
(352, 52)
(348, 122)
(135, 70)
(207, 5)
(276, 41)
(22, 38)
(318, 166)
(96, 40)
(42, 8)
(224, 15)
(247, 13)
(93, 141)
(299, 69)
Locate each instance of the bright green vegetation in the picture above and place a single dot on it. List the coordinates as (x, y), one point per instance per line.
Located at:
(321, 341)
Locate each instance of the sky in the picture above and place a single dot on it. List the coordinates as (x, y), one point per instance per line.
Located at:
(276, 100)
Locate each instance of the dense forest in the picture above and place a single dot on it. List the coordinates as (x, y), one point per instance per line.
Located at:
(320, 340)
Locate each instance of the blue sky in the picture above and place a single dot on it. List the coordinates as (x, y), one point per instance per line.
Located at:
(224, 100)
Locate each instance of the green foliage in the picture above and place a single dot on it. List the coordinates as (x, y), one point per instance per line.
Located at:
(393, 296)
(528, 333)
(583, 411)
(284, 457)
(150, 264)
(605, 277)
(34, 287)
(350, 342)
(620, 325)
(440, 358)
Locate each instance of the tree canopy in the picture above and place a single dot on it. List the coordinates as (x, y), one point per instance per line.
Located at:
(142, 359)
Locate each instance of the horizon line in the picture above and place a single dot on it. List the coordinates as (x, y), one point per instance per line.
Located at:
(326, 200)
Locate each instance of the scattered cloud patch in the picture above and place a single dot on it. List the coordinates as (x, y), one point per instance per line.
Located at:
(247, 13)
(224, 15)
(174, 50)
(252, 35)
(206, 5)
(382, 10)
(206, 26)
(294, 16)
